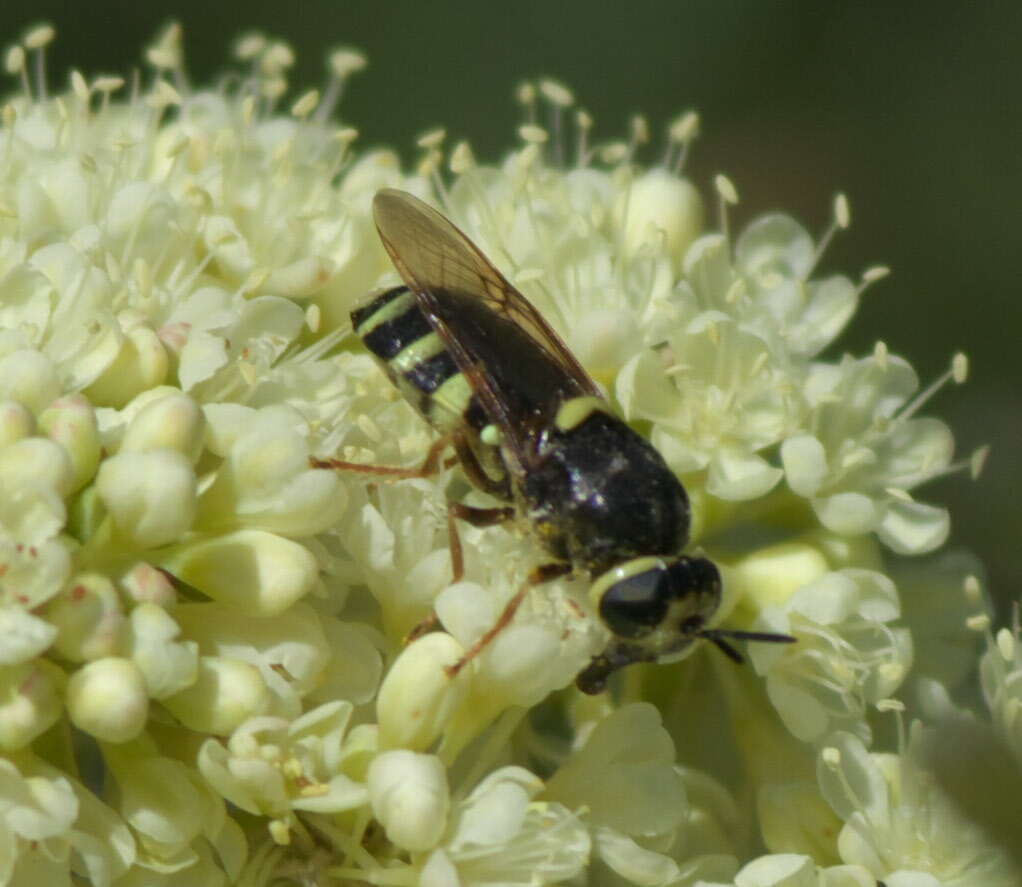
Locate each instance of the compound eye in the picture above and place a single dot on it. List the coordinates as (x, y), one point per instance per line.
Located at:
(635, 605)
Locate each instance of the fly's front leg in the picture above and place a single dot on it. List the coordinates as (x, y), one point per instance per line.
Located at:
(478, 517)
(430, 465)
(538, 576)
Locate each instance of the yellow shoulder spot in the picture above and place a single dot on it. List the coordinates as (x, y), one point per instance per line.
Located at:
(574, 412)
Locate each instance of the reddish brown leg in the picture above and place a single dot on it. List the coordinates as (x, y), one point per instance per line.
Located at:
(430, 465)
(478, 517)
(430, 624)
(538, 576)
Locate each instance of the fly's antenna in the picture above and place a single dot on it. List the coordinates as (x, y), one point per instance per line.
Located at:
(717, 636)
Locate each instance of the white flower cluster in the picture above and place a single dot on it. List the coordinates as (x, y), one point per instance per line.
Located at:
(204, 674)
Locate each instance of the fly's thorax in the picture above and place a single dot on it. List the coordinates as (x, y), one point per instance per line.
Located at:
(599, 493)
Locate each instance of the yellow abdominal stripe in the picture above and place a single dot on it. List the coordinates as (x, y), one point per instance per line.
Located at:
(450, 401)
(420, 350)
(394, 308)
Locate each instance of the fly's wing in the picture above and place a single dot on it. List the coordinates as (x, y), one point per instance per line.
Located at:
(517, 366)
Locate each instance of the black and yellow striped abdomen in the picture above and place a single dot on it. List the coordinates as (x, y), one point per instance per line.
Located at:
(414, 358)
(412, 354)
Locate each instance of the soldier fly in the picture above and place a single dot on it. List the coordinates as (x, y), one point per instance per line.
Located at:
(531, 428)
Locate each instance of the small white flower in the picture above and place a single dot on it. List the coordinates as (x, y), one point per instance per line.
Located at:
(898, 819)
(499, 835)
(848, 655)
(864, 451)
(270, 767)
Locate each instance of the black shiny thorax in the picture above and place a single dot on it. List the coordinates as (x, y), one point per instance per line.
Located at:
(601, 494)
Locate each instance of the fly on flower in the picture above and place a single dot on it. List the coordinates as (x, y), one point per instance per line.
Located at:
(532, 429)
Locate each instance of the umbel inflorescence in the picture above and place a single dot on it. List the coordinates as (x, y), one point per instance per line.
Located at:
(203, 663)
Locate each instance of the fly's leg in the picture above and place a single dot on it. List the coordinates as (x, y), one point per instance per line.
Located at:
(478, 517)
(538, 576)
(430, 465)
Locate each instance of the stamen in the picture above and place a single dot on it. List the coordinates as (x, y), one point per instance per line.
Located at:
(249, 46)
(36, 40)
(342, 64)
(972, 590)
(639, 134)
(583, 123)
(1006, 645)
(978, 461)
(533, 134)
(871, 276)
(840, 220)
(979, 622)
(727, 196)
(898, 707)
(682, 132)
(526, 96)
(958, 371)
(880, 354)
(559, 97)
(305, 104)
(14, 63)
(432, 139)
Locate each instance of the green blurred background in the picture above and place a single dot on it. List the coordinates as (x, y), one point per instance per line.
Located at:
(912, 109)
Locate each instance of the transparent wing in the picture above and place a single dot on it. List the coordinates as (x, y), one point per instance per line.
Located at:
(517, 365)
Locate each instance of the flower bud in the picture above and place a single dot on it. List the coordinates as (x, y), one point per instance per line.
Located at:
(141, 363)
(107, 699)
(266, 481)
(151, 496)
(88, 618)
(37, 461)
(772, 575)
(260, 572)
(660, 204)
(144, 582)
(71, 422)
(417, 697)
(22, 635)
(173, 422)
(167, 665)
(225, 694)
(409, 796)
(16, 422)
(29, 702)
(29, 377)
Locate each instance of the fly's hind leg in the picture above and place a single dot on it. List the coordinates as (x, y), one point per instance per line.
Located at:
(430, 465)
(478, 517)
(538, 576)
